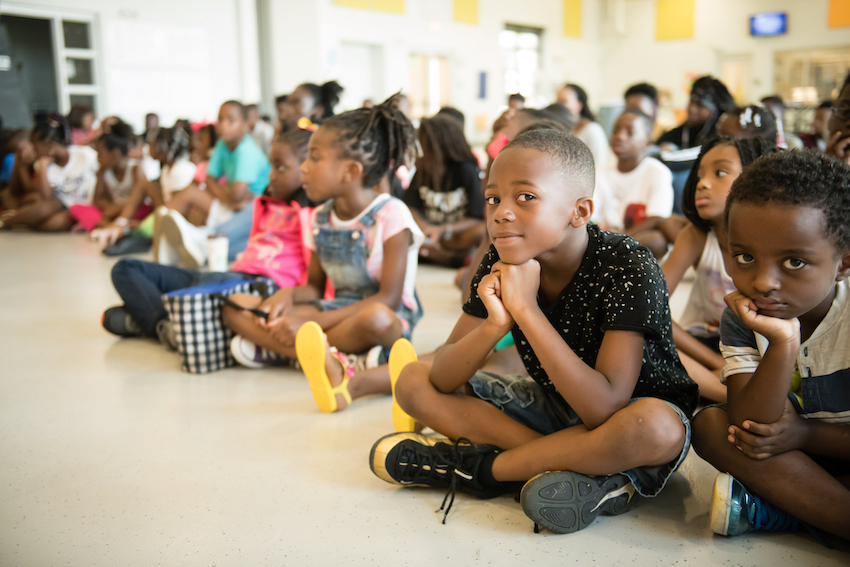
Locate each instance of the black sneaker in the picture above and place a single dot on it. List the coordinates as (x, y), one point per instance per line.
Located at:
(117, 321)
(411, 459)
(128, 244)
(565, 502)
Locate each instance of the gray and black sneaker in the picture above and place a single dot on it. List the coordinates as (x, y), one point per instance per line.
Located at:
(165, 333)
(565, 502)
(117, 321)
(411, 459)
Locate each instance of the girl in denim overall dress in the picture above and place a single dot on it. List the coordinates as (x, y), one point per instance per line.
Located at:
(364, 248)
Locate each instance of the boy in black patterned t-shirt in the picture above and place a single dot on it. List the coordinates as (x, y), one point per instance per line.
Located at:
(609, 403)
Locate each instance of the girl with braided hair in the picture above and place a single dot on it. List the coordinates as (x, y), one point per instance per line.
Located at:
(65, 175)
(364, 244)
(702, 244)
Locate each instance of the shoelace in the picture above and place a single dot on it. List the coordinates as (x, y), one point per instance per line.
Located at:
(454, 463)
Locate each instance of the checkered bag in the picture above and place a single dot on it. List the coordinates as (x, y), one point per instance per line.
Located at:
(202, 339)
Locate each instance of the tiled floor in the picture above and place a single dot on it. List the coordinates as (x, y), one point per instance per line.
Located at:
(111, 456)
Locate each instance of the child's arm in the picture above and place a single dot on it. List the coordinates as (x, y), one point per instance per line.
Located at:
(594, 393)
(761, 396)
(686, 252)
(280, 303)
(472, 338)
(791, 432)
(102, 199)
(42, 185)
(235, 194)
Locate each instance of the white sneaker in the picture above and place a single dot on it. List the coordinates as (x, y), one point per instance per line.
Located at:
(251, 355)
(188, 241)
(163, 253)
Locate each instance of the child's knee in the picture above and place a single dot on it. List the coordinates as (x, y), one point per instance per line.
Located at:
(656, 428)
(378, 321)
(708, 428)
(411, 384)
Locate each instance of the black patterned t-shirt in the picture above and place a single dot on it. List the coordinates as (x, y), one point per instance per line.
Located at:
(617, 287)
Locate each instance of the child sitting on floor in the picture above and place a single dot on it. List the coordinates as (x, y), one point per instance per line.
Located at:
(237, 173)
(275, 250)
(640, 187)
(65, 175)
(365, 244)
(118, 175)
(609, 403)
(783, 441)
(702, 244)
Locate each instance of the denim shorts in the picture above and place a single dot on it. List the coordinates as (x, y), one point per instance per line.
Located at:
(523, 400)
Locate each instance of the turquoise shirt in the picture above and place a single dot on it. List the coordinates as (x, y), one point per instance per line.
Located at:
(247, 163)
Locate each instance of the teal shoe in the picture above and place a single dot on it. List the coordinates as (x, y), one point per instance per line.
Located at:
(735, 511)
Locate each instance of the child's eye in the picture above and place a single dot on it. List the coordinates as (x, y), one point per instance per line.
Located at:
(492, 200)
(744, 258)
(281, 168)
(793, 264)
(721, 173)
(522, 197)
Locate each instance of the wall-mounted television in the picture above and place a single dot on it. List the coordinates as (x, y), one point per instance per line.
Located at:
(767, 24)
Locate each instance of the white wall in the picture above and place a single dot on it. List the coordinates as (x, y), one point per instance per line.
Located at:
(179, 59)
(721, 29)
(309, 36)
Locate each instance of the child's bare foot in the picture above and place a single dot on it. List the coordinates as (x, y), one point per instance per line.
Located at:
(335, 370)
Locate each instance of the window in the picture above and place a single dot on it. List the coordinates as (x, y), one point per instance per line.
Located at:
(521, 55)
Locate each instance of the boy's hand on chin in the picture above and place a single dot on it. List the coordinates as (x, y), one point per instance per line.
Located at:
(520, 284)
(774, 329)
(490, 292)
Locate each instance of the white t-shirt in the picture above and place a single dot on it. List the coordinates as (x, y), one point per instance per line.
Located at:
(263, 133)
(650, 183)
(120, 190)
(74, 183)
(176, 177)
(391, 219)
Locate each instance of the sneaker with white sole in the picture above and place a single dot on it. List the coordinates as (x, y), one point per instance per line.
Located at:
(735, 510)
(188, 241)
(251, 355)
(565, 502)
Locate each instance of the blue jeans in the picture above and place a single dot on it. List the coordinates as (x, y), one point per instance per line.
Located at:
(237, 229)
(141, 285)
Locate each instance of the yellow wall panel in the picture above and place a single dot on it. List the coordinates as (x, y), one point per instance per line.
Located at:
(466, 11)
(572, 18)
(394, 6)
(674, 19)
(839, 14)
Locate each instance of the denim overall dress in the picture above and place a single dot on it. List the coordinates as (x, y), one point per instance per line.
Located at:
(343, 254)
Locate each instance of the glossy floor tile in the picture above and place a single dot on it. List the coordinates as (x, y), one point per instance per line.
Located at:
(111, 456)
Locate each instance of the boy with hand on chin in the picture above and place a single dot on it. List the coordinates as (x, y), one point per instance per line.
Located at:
(784, 439)
(608, 402)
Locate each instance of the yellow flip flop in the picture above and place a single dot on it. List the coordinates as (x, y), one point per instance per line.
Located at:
(310, 346)
(401, 354)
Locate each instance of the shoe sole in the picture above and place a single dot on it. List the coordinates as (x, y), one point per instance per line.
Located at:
(383, 446)
(240, 357)
(721, 504)
(565, 502)
(401, 355)
(172, 233)
(311, 350)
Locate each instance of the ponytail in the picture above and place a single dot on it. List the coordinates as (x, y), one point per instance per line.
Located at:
(54, 128)
(381, 138)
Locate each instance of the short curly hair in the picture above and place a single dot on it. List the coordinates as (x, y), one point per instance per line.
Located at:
(571, 156)
(803, 178)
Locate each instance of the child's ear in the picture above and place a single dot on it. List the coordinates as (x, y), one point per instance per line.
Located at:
(582, 213)
(843, 267)
(353, 169)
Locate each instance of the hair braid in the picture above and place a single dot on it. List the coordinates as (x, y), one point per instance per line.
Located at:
(380, 138)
